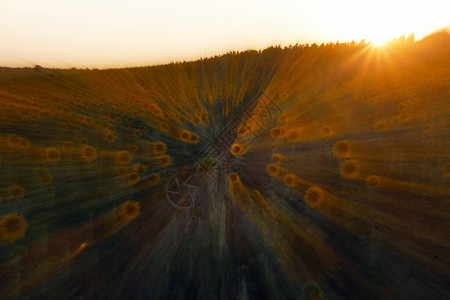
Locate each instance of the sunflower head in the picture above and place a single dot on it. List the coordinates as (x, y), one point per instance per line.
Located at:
(12, 227)
(128, 210)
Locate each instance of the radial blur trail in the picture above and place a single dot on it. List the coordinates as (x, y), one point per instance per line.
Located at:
(309, 172)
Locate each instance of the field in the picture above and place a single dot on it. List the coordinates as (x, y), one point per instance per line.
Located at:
(307, 172)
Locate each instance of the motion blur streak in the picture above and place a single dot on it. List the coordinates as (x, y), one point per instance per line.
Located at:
(306, 172)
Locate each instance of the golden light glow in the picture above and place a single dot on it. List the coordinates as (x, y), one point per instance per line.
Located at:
(115, 34)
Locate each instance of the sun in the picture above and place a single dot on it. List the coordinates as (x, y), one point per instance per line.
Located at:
(378, 22)
(379, 40)
(380, 35)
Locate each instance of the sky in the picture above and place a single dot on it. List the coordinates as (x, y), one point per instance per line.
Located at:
(113, 33)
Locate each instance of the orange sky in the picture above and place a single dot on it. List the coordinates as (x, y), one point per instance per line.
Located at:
(113, 33)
